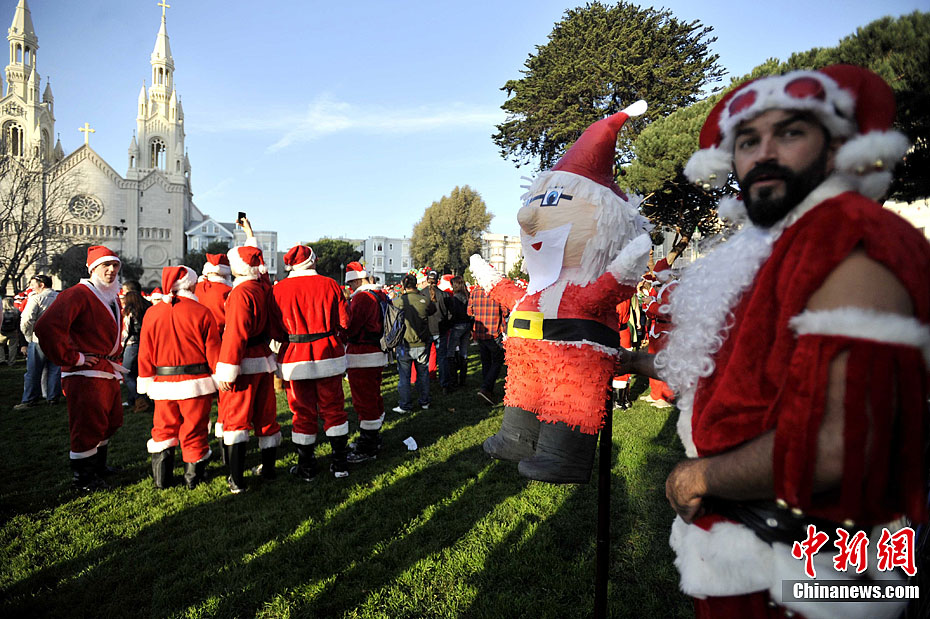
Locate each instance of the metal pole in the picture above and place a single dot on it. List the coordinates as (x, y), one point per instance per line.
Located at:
(602, 545)
(43, 257)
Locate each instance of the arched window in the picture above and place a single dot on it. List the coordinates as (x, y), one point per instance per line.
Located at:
(157, 154)
(19, 53)
(46, 145)
(13, 139)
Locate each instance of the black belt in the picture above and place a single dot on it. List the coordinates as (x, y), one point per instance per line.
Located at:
(303, 338)
(572, 330)
(176, 370)
(258, 340)
(772, 523)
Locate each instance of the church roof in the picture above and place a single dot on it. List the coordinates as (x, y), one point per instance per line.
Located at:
(22, 20)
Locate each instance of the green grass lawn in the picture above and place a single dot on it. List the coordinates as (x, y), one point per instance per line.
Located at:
(443, 531)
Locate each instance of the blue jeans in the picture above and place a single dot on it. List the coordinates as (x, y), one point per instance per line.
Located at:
(131, 363)
(459, 336)
(406, 358)
(36, 362)
(442, 364)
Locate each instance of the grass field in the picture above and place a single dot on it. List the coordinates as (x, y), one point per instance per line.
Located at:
(443, 531)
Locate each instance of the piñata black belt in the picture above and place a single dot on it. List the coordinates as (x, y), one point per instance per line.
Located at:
(532, 325)
(303, 338)
(177, 370)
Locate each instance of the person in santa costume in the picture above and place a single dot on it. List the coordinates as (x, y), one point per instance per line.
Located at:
(80, 331)
(311, 309)
(365, 360)
(799, 350)
(178, 350)
(245, 370)
(585, 247)
(213, 288)
(660, 395)
(621, 383)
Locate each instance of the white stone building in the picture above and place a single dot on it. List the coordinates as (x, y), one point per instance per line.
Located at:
(502, 251)
(143, 214)
(387, 259)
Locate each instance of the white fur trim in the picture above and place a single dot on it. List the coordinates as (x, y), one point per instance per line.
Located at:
(257, 365)
(241, 279)
(731, 209)
(866, 324)
(309, 263)
(226, 372)
(92, 374)
(709, 162)
(371, 424)
(858, 156)
(303, 439)
(101, 260)
(628, 267)
(486, 275)
(618, 384)
(303, 370)
(218, 430)
(302, 273)
(142, 383)
(182, 389)
(103, 443)
(340, 430)
(267, 442)
(155, 447)
(366, 360)
(205, 457)
(351, 276)
(221, 270)
(235, 436)
(80, 455)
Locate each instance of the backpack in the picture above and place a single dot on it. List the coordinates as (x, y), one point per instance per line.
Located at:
(393, 326)
(10, 322)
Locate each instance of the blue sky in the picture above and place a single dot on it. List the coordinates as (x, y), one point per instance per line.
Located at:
(350, 118)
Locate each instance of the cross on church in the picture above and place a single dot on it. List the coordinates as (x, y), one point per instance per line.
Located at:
(86, 130)
(163, 6)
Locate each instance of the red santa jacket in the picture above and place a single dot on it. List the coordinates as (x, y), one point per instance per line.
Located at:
(212, 294)
(312, 310)
(659, 297)
(363, 349)
(78, 322)
(568, 331)
(173, 336)
(249, 329)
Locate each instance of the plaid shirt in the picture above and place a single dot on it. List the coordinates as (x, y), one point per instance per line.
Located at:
(488, 313)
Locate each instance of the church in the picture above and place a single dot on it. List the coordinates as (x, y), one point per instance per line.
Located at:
(142, 214)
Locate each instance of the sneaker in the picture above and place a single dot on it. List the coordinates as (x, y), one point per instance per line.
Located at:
(306, 474)
(660, 404)
(487, 397)
(25, 405)
(337, 474)
(398, 409)
(424, 407)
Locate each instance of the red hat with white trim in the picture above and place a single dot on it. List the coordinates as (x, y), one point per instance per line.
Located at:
(216, 263)
(592, 156)
(98, 254)
(174, 279)
(299, 257)
(246, 260)
(445, 282)
(354, 271)
(851, 102)
(156, 295)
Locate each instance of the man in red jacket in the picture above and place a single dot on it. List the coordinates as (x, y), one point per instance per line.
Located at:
(80, 332)
(366, 360)
(312, 311)
(178, 348)
(213, 288)
(246, 367)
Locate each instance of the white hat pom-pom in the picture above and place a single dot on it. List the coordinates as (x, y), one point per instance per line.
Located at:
(709, 166)
(731, 209)
(635, 109)
(868, 159)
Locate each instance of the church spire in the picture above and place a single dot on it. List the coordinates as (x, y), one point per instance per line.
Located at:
(23, 46)
(162, 62)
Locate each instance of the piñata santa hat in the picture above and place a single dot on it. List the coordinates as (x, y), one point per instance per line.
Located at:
(851, 102)
(354, 271)
(175, 279)
(216, 264)
(97, 255)
(298, 258)
(246, 260)
(592, 156)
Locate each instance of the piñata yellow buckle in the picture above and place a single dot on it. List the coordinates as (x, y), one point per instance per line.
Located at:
(524, 324)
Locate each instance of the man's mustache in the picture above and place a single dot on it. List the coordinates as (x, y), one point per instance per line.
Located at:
(765, 171)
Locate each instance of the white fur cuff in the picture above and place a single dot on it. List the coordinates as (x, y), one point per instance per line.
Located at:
(267, 442)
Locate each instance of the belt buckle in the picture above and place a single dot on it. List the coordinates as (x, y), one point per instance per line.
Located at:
(525, 324)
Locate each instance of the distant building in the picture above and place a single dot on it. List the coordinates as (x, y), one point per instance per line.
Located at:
(918, 213)
(202, 233)
(387, 258)
(502, 251)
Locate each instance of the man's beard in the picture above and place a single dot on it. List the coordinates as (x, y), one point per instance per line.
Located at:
(765, 210)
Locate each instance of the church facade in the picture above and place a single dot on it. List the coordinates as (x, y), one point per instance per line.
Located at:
(144, 213)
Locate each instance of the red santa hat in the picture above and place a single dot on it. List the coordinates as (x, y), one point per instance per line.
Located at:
(216, 264)
(851, 102)
(97, 255)
(175, 279)
(445, 282)
(354, 271)
(592, 156)
(156, 295)
(246, 260)
(299, 257)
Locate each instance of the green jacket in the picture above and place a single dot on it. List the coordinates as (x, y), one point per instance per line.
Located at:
(416, 308)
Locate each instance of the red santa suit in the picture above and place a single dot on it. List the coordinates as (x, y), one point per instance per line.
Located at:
(245, 357)
(623, 322)
(83, 321)
(178, 350)
(365, 359)
(212, 290)
(312, 309)
(659, 327)
(748, 358)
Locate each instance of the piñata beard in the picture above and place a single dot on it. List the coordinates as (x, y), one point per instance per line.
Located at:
(543, 255)
(767, 210)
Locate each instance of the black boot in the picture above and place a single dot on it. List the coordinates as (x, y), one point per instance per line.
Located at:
(196, 472)
(618, 399)
(163, 468)
(626, 397)
(366, 448)
(305, 468)
(236, 465)
(563, 455)
(101, 459)
(84, 476)
(517, 437)
(339, 467)
(266, 469)
(463, 370)
(224, 451)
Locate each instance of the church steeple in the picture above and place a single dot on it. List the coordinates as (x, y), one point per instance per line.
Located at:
(162, 63)
(23, 46)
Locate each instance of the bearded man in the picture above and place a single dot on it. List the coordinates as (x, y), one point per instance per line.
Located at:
(80, 331)
(799, 349)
